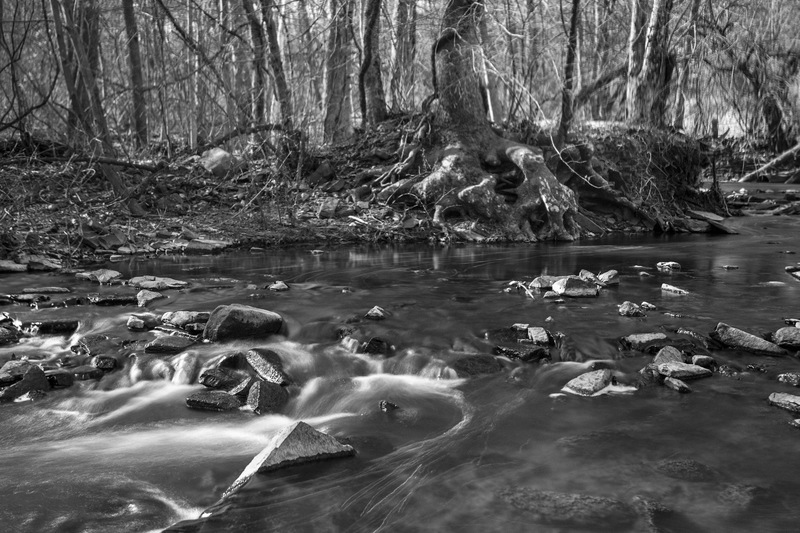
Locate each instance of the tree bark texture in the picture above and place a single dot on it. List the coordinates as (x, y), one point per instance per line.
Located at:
(282, 93)
(370, 83)
(689, 44)
(137, 79)
(403, 55)
(338, 107)
(258, 82)
(648, 89)
(567, 109)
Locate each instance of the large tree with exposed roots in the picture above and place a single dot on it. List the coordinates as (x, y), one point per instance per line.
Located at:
(503, 186)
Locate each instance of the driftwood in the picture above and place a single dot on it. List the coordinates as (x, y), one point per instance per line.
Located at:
(82, 159)
(752, 176)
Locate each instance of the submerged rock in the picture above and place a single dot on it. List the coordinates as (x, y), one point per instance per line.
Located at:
(790, 402)
(473, 365)
(570, 510)
(668, 266)
(791, 378)
(236, 321)
(63, 326)
(87, 372)
(213, 400)
(677, 385)
(737, 338)
(686, 469)
(590, 383)
(674, 290)
(296, 444)
(575, 287)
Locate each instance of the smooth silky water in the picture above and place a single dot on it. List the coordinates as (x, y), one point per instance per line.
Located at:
(126, 454)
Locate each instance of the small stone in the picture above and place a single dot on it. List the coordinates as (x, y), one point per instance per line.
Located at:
(790, 402)
(236, 321)
(101, 276)
(544, 282)
(630, 309)
(219, 378)
(668, 354)
(181, 318)
(730, 267)
(112, 299)
(104, 362)
(376, 313)
(588, 276)
(668, 266)
(672, 289)
(376, 346)
(539, 336)
(144, 297)
(677, 385)
(642, 341)
(268, 365)
(87, 372)
(278, 286)
(135, 324)
(212, 400)
(647, 306)
(683, 371)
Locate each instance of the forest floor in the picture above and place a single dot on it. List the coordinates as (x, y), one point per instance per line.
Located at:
(63, 212)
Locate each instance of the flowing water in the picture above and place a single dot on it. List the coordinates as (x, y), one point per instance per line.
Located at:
(126, 454)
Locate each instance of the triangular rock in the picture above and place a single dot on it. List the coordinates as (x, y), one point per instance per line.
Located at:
(295, 444)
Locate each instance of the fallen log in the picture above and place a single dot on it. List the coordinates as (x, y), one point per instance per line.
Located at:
(776, 161)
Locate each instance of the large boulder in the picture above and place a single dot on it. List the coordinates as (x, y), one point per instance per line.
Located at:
(33, 380)
(266, 397)
(296, 444)
(236, 321)
(571, 510)
(790, 402)
(575, 287)
(737, 338)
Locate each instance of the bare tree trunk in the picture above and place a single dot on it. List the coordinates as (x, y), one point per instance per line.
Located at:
(690, 42)
(567, 110)
(137, 79)
(338, 107)
(276, 64)
(258, 83)
(370, 84)
(491, 82)
(403, 55)
(648, 90)
(636, 40)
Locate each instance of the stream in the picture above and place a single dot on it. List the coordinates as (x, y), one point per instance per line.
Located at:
(124, 453)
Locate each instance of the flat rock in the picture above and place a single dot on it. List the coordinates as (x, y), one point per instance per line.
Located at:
(683, 370)
(668, 354)
(737, 338)
(112, 299)
(706, 361)
(236, 321)
(575, 287)
(570, 510)
(45, 290)
(474, 365)
(787, 338)
(630, 309)
(102, 276)
(213, 400)
(266, 397)
(182, 318)
(9, 267)
(590, 383)
(206, 246)
(296, 444)
(642, 341)
(790, 402)
(170, 344)
(33, 379)
(155, 283)
(704, 215)
(64, 326)
(144, 297)
(268, 365)
(539, 336)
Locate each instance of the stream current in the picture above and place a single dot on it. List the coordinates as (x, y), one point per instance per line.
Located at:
(122, 454)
